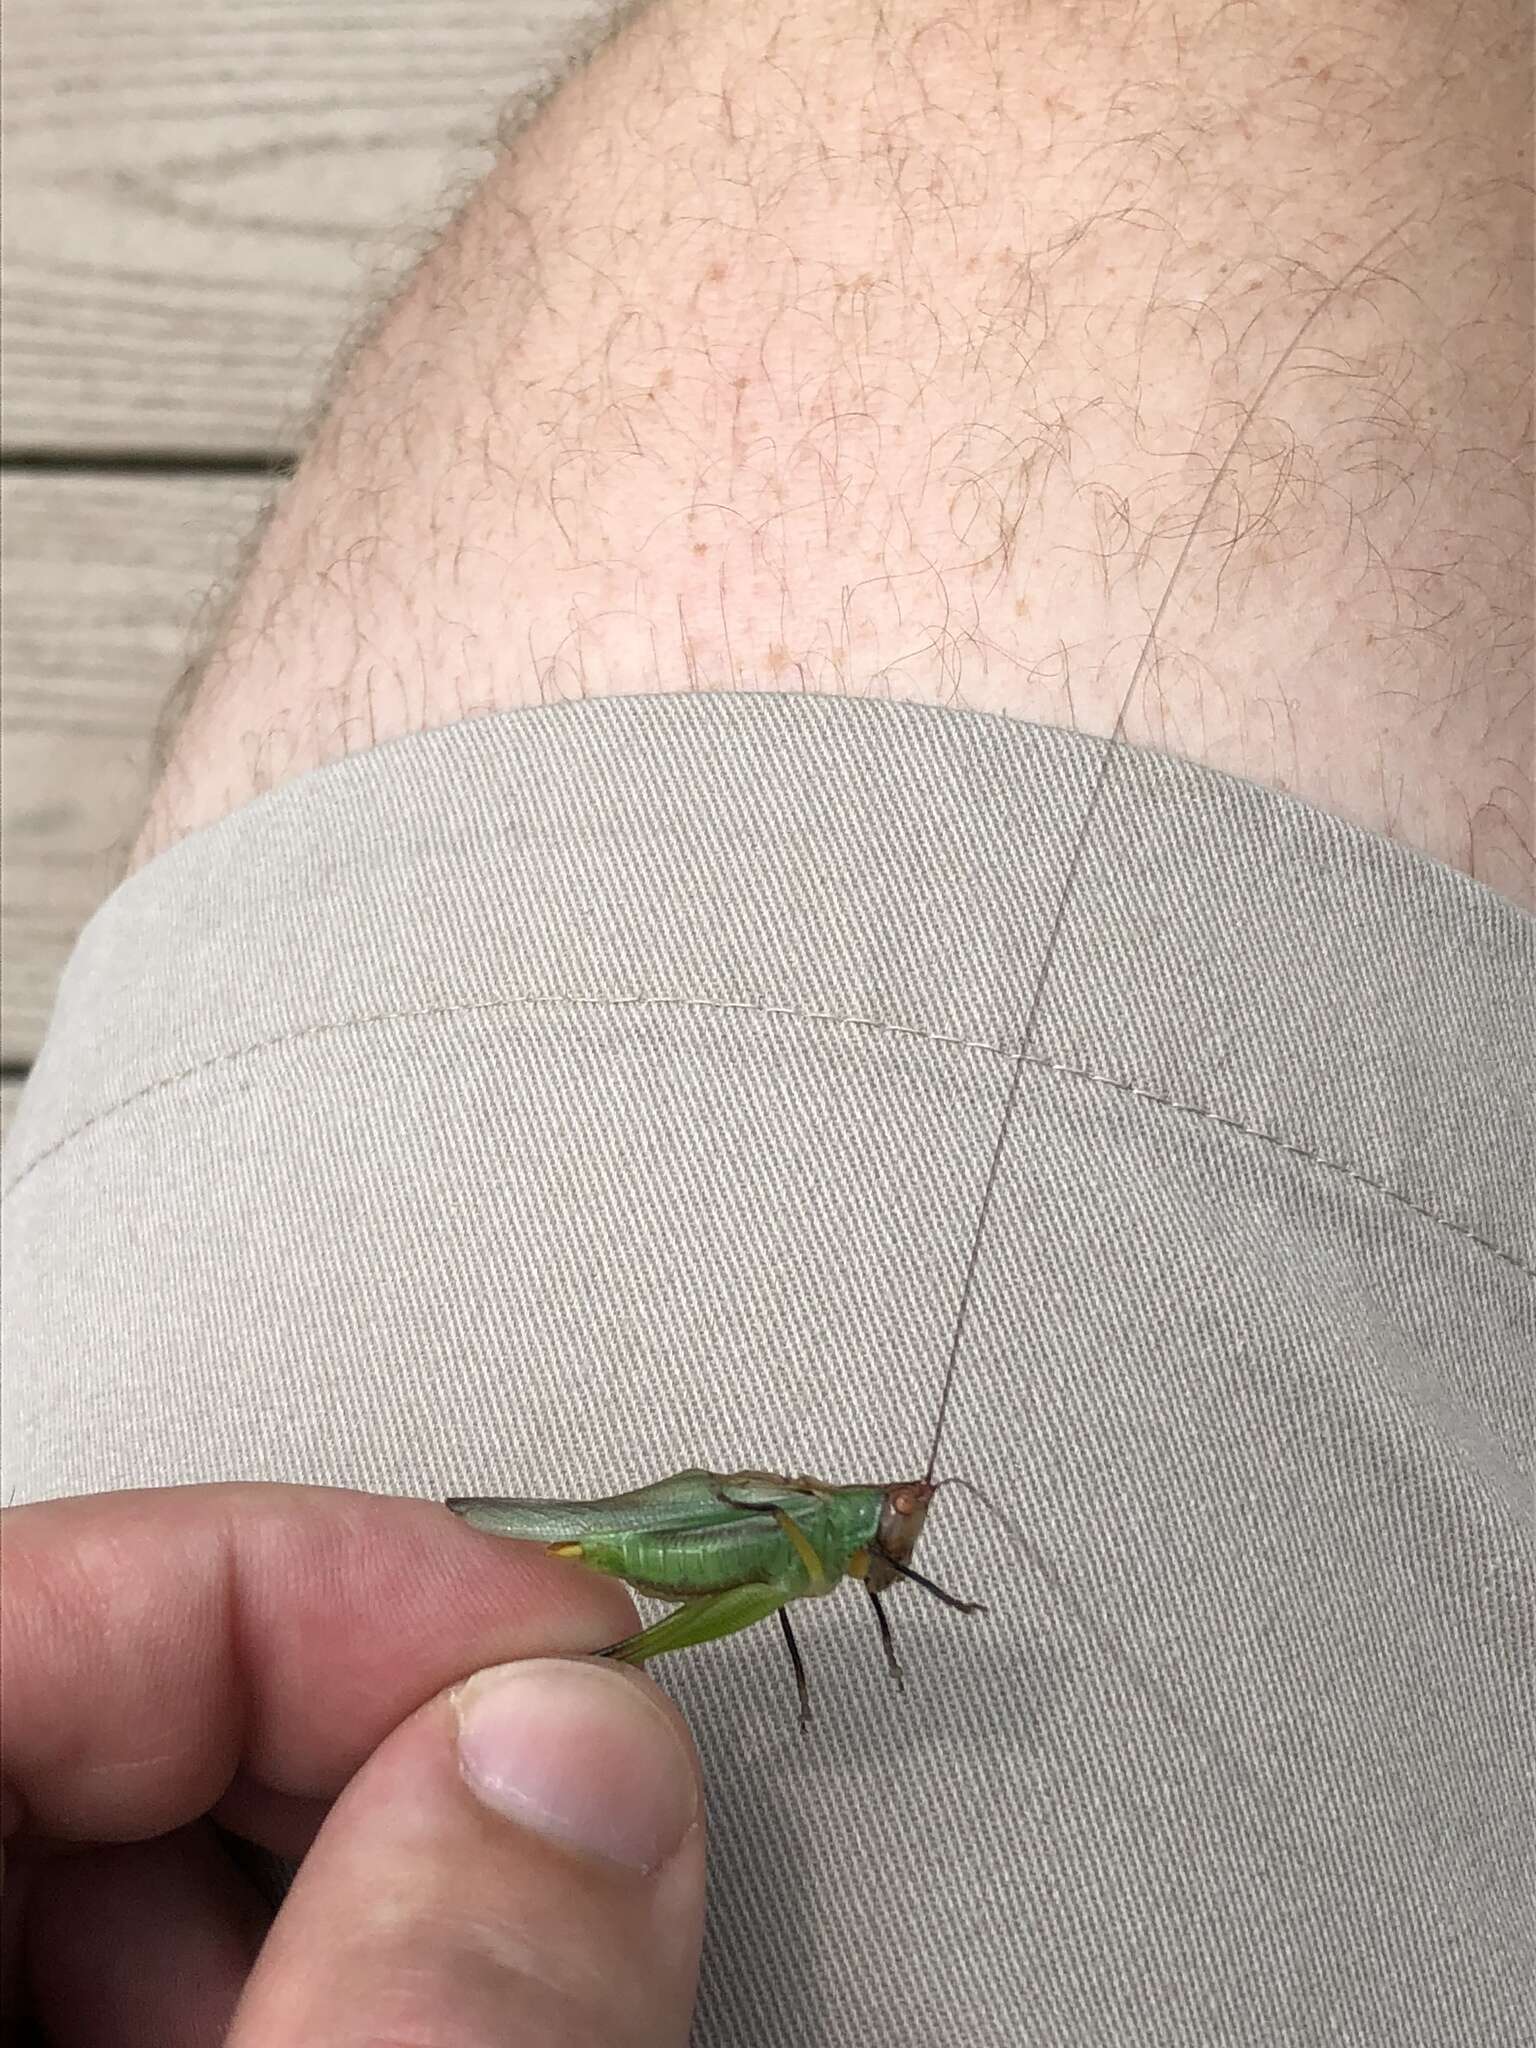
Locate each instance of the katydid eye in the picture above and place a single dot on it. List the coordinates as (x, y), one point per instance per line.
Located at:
(901, 1503)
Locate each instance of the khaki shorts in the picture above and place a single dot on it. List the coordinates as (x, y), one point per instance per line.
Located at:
(573, 1095)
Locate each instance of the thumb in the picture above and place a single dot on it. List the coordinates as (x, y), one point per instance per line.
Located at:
(523, 1859)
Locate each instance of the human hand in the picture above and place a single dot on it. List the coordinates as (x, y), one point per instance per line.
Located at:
(520, 1859)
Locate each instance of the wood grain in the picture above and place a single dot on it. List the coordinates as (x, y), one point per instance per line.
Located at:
(105, 578)
(202, 195)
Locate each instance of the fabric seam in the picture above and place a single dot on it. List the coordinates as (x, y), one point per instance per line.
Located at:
(799, 1013)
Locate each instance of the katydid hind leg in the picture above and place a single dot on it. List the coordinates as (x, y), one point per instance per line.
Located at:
(700, 1620)
(887, 1640)
(798, 1662)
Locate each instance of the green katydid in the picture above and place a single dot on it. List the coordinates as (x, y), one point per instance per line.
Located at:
(733, 1548)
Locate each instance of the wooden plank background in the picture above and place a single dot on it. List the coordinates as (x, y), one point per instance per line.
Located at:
(202, 192)
(106, 575)
(202, 198)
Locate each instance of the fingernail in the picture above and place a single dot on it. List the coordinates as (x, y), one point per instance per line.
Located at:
(579, 1753)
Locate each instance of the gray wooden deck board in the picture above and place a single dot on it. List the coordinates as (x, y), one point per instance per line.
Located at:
(105, 578)
(201, 195)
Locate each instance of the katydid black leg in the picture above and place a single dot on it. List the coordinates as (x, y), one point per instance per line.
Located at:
(887, 1641)
(905, 1571)
(799, 1663)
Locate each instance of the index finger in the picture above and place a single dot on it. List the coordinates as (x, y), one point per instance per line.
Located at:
(159, 1642)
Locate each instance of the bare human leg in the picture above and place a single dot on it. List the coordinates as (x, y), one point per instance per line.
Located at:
(990, 356)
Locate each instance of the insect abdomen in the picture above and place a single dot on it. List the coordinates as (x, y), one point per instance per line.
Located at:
(676, 1564)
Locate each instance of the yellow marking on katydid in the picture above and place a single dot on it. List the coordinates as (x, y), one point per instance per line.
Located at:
(805, 1550)
(858, 1564)
(563, 1549)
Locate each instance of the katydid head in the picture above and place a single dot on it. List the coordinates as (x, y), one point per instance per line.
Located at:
(901, 1523)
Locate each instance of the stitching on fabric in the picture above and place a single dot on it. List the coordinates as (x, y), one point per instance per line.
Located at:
(799, 1013)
